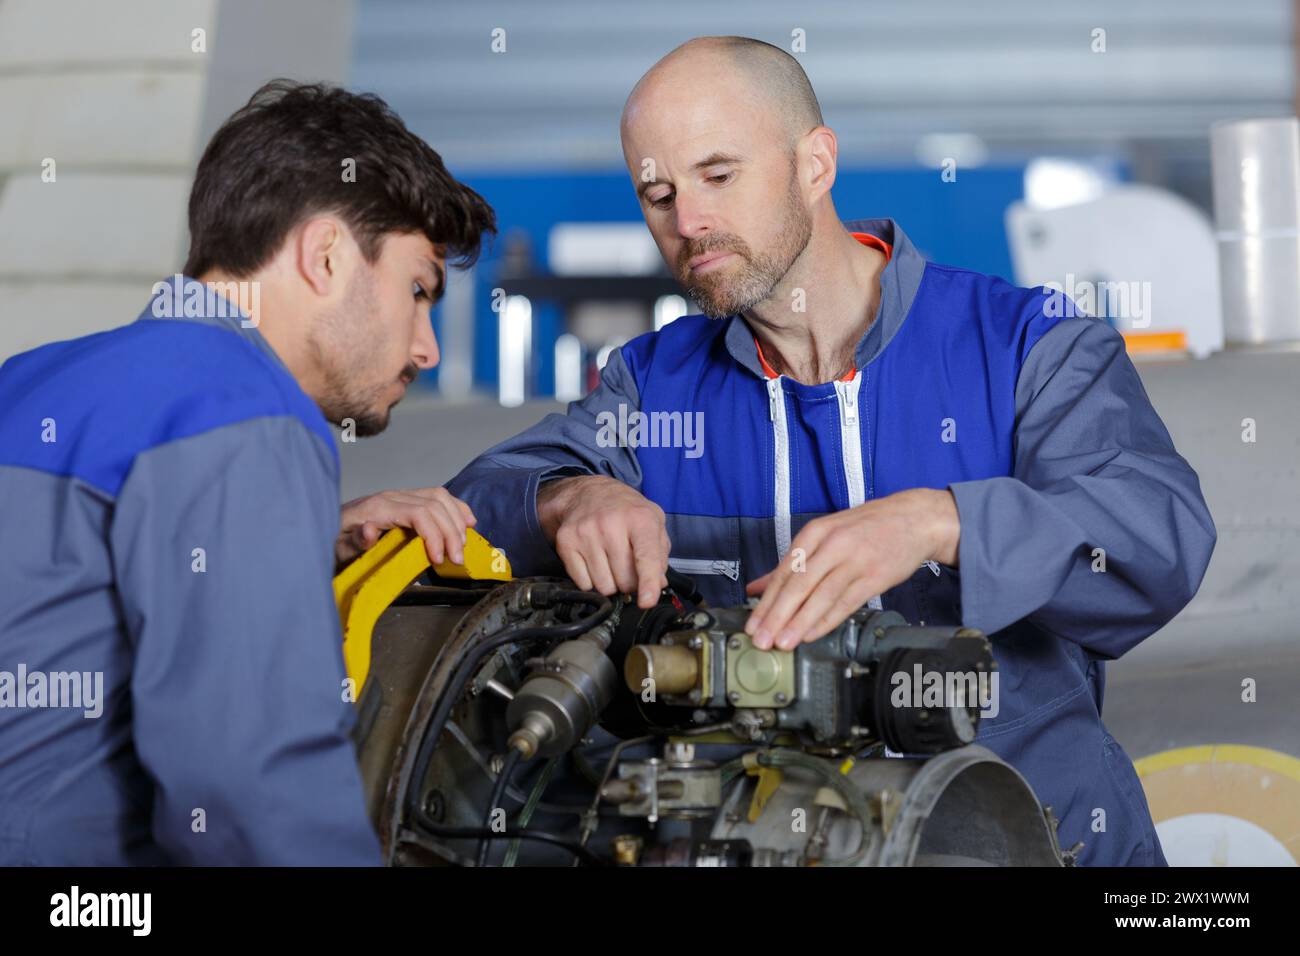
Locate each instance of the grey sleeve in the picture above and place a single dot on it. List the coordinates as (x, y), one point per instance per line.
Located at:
(1094, 468)
(500, 485)
(223, 552)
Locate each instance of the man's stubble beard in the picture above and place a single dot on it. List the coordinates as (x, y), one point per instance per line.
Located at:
(758, 274)
(337, 348)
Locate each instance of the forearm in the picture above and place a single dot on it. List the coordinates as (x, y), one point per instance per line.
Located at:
(555, 497)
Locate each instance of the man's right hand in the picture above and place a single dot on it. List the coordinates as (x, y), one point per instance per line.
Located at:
(611, 538)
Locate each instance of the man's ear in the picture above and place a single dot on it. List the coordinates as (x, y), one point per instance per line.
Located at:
(318, 247)
(818, 151)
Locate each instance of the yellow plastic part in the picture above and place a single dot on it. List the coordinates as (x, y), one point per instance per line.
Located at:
(366, 587)
(769, 781)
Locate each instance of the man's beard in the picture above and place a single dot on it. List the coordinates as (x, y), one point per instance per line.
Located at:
(345, 400)
(348, 392)
(729, 291)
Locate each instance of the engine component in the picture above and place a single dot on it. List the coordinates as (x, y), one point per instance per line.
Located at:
(564, 695)
(917, 689)
(716, 754)
(677, 786)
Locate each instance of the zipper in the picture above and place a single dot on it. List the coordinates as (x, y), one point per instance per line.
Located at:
(851, 439)
(846, 393)
(781, 450)
(729, 569)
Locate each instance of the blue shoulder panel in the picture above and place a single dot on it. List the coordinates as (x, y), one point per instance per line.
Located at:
(87, 407)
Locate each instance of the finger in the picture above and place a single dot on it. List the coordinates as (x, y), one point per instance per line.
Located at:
(427, 527)
(461, 509)
(453, 522)
(622, 561)
(841, 609)
(464, 509)
(758, 585)
(782, 605)
(756, 626)
(651, 563)
(602, 577)
(815, 607)
(576, 566)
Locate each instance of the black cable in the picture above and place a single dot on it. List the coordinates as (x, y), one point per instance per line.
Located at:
(498, 793)
(473, 660)
(685, 588)
(542, 836)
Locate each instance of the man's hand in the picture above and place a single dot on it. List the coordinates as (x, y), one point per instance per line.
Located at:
(611, 538)
(433, 513)
(847, 558)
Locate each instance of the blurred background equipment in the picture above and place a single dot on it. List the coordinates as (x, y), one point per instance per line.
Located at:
(1257, 212)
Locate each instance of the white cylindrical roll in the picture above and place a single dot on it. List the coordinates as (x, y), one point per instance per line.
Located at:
(1256, 170)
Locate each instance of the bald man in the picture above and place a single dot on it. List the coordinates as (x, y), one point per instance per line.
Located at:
(877, 429)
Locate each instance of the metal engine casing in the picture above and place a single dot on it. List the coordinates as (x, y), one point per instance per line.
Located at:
(962, 806)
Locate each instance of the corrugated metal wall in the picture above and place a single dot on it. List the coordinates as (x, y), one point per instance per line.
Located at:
(1021, 74)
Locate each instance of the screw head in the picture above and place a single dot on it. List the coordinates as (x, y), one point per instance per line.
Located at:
(734, 643)
(434, 805)
(734, 696)
(779, 697)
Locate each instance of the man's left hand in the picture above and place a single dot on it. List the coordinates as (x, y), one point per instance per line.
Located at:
(840, 561)
(435, 514)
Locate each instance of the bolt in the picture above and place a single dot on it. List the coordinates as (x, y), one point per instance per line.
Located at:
(734, 643)
(700, 619)
(695, 697)
(696, 642)
(434, 805)
(734, 697)
(780, 697)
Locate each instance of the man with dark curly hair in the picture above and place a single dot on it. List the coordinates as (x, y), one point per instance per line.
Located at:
(171, 511)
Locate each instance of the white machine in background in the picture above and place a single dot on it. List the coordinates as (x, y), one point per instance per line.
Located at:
(1140, 256)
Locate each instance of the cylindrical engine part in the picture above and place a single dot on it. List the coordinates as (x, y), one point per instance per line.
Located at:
(559, 702)
(1256, 176)
(963, 807)
(671, 668)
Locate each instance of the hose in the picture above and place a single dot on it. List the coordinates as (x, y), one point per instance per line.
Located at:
(853, 797)
(541, 836)
(498, 794)
(534, 800)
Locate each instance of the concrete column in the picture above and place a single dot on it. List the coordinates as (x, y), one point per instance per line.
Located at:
(104, 111)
